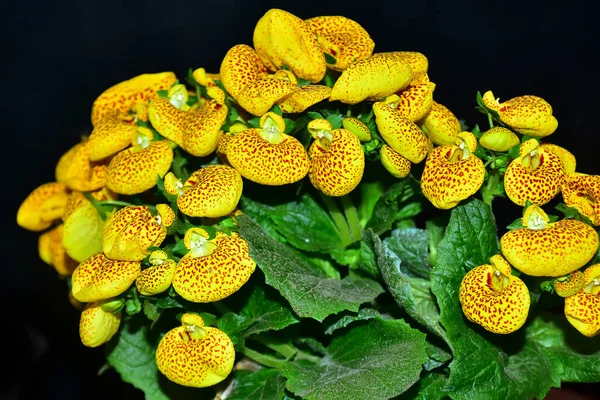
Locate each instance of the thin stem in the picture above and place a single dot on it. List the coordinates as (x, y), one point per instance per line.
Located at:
(352, 218)
(338, 218)
(369, 117)
(349, 111)
(490, 120)
(286, 350)
(264, 359)
(222, 308)
(114, 203)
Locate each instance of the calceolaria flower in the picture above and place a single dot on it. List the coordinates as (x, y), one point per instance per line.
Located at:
(158, 277)
(536, 175)
(53, 252)
(396, 165)
(441, 125)
(499, 139)
(415, 101)
(544, 248)
(566, 157)
(43, 206)
(569, 284)
(195, 355)
(98, 323)
(213, 268)
(529, 115)
(583, 308)
(493, 298)
(78, 172)
(582, 192)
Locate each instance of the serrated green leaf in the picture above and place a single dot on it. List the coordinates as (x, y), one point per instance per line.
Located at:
(377, 360)
(388, 208)
(437, 357)
(411, 245)
(483, 367)
(362, 315)
(370, 192)
(132, 354)
(310, 293)
(264, 384)
(259, 314)
(335, 120)
(179, 249)
(366, 256)
(151, 311)
(290, 125)
(429, 387)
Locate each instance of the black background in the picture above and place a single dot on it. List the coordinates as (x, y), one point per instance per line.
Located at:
(60, 56)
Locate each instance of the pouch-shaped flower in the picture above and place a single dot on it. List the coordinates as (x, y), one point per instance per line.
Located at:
(582, 192)
(583, 308)
(213, 269)
(76, 170)
(111, 135)
(441, 125)
(397, 165)
(97, 326)
(195, 355)
(415, 101)
(499, 139)
(307, 96)
(53, 252)
(542, 248)
(157, 278)
(44, 205)
(100, 278)
(566, 157)
(493, 298)
(417, 62)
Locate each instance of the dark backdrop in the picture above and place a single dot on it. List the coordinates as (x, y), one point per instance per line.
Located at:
(61, 55)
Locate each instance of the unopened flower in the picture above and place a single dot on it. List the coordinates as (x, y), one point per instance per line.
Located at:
(493, 298)
(362, 131)
(97, 326)
(543, 248)
(213, 269)
(536, 175)
(417, 62)
(441, 124)
(43, 206)
(583, 308)
(157, 278)
(82, 232)
(392, 161)
(195, 355)
(499, 139)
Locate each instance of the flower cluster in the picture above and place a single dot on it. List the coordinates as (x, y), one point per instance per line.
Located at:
(125, 219)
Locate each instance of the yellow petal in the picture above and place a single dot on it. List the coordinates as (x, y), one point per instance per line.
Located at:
(77, 200)
(583, 312)
(342, 38)
(301, 99)
(337, 169)
(97, 326)
(195, 355)
(213, 191)
(396, 165)
(43, 206)
(583, 193)
(269, 164)
(259, 96)
(371, 79)
(130, 232)
(400, 133)
(529, 115)
(241, 67)
(467, 139)
(554, 250)
(499, 139)
(362, 131)
(133, 172)
(417, 61)
(416, 100)
(566, 157)
(205, 78)
(156, 279)
(215, 276)
(498, 302)
(120, 98)
(281, 38)
(76, 170)
(110, 135)
(441, 125)
(165, 215)
(52, 251)
(570, 284)
(45, 247)
(82, 232)
(535, 176)
(99, 278)
(445, 181)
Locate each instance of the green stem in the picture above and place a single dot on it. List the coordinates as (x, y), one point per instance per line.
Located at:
(352, 218)
(488, 191)
(222, 308)
(369, 117)
(349, 111)
(264, 359)
(286, 350)
(490, 120)
(114, 203)
(338, 218)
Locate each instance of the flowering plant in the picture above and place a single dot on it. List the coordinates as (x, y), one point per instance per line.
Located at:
(380, 275)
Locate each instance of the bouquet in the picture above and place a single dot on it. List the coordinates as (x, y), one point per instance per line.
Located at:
(366, 206)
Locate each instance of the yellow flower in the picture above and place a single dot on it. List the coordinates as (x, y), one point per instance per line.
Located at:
(97, 326)
(583, 308)
(441, 125)
(452, 173)
(342, 38)
(371, 79)
(111, 135)
(52, 251)
(542, 248)
(565, 156)
(493, 298)
(100, 278)
(158, 278)
(498, 139)
(195, 355)
(122, 97)
(337, 162)
(268, 156)
(570, 284)
(536, 175)
(362, 131)
(396, 165)
(281, 38)
(130, 232)
(400, 133)
(529, 115)
(43, 206)
(417, 62)
(213, 191)
(82, 232)
(415, 101)
(76, 170)
(307, 96)
(213, 269)
(583, 193)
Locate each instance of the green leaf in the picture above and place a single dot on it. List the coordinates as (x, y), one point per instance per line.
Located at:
(160, 184)
(378, 360)
(132, 354)
(306, 225)
(314, 114)
(370, 192)
(516, 224)
(483, 366)
(329, 59)
(412, 294)
(261, 213)
(303, 82)
(309, 292)
(388, 207)
(514, 151)
(276, 109)
(411, 245)
(151, 311)
(265, 384)
(429, 387)
(163, 93)
(437, 356)
(254, 122)
(259, 314)
(362, 315)
(290, 125)
(366, 256)
(335, 120)
(180, 249)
